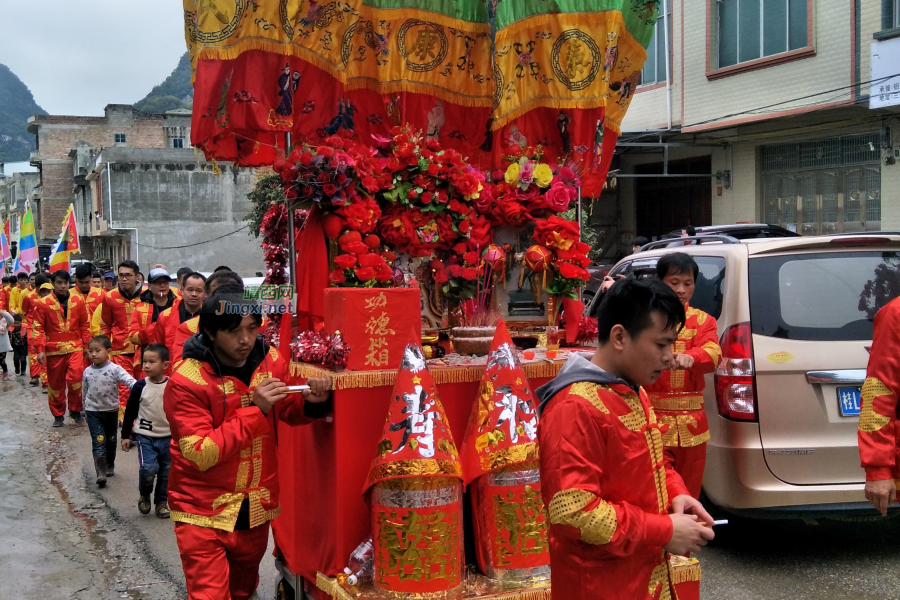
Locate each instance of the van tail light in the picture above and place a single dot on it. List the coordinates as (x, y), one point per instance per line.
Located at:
(735, 376)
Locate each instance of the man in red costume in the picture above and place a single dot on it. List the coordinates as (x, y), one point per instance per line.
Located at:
(677, 396)
(604, 481)
(191, 326)
(879, 428)
(185, 308)
(61, 334)
(222, 403)
(28, 300)
(113, 320)
(157, 298)
(84, 289)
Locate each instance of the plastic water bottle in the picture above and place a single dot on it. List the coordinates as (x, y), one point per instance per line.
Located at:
(359, 566)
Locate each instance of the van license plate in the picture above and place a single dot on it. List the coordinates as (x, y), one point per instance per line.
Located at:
(848, 401)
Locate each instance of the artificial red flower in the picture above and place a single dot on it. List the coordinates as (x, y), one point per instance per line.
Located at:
(513, 213)
(384, 275)
(470, 258)
(555, 232)
(325, 151)
(436, 264)
(464, 226)
(467, 184)
(372, 241)
(371, 260)
(365, 273)
(389, 256)
(455, 270)
(306, 159)
(329, 189)
(570, 271)
(350, 236)
(370, 184)
(332, 224)
(460, 248)
(440, 277)
(557, 197)
(426, 198)
(345, 261)
(337, 276)
(581, 247)
(434, 169)
(480, 233)
(469, 273)
(355, 248)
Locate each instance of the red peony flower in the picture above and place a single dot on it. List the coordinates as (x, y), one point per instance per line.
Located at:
(480, 233)
(470, 258)
(469, 273)
(350, 236)
(365, 273)
(325, 151)
(513, 213)
(464, 226)
(337, 276)
(440, 277)
(436, 264)
(455, 270)
(355, 248)
(371, 260)
(434, 169)
(467, 184)
(370, 184)
(460, 248)
(345, 261)
(569, 271)
(306, 159)
(581, 247)
(372, 241)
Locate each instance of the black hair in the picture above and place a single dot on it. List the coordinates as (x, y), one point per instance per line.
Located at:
(690, 230)
(182, 272)
(630, 303)
(640, 241)
(225, 278)
(221, 268)
(677, 263)
(84, 270)
(102, 340)
(40, 279)
(22, 276)
(160, 350)
(213, 320)
(17, 318)
(193, 275)
(96, 274)
(129, 264)
(60, 274)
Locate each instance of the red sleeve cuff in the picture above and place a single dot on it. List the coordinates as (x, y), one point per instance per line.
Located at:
(657, 530)
(878, 473)
(255, 419)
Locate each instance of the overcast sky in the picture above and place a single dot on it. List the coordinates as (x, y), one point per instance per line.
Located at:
(77, 56)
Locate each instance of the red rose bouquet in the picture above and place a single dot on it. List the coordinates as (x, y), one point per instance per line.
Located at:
(361, 265)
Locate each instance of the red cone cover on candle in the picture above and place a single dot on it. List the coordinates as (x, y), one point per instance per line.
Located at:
(416, 441)
(502, 430)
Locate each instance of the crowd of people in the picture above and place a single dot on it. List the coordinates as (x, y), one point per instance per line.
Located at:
(189, 388)
(199, 392)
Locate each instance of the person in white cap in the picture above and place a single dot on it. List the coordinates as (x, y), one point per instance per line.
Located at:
(155, 300)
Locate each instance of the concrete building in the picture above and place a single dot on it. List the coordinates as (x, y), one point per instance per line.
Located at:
(15, 188)
(753, 111)
(163, 195)
(155, 205)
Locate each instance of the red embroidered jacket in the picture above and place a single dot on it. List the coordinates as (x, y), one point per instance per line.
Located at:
(223, 448)
(677, 396)
(112, 318)
(879, 428)
(53, 332)
(607, 489)
(91, 300)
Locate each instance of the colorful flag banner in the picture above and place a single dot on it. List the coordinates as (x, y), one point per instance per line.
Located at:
(66, 244)
(27, 256)
(5, 253)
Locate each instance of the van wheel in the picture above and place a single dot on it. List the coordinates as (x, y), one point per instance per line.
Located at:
(284, 591)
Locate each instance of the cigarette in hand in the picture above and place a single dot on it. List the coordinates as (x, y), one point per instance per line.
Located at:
(296, 389)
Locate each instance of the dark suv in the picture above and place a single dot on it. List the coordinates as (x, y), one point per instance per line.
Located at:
(741, 231)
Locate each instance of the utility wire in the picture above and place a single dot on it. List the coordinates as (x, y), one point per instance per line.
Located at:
(194, 244)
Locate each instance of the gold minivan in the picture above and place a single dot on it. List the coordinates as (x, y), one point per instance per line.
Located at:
(795, 325)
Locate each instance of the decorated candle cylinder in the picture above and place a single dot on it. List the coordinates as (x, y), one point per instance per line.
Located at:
(418, 537)
(500, 455)
(510, 525)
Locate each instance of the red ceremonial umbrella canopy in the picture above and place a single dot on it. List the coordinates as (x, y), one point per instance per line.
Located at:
(487, 78)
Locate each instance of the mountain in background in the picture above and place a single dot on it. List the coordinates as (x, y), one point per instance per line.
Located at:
(16, 105)
(175, 92)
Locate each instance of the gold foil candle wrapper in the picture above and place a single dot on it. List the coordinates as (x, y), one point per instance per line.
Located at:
(418, 537)
(511, 536)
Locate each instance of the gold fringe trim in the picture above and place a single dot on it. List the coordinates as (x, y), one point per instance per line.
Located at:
(612, 126)
(348, 380)
(418, 87)
(685, 574)
(275, 47)
(501, 121)
(332, 587)
(422, 14)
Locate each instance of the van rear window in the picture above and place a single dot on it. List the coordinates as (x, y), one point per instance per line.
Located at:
(829, 296)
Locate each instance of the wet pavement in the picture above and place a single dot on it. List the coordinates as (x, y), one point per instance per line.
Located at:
(63, 538)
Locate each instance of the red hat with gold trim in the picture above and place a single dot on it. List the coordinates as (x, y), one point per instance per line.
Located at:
(416, 441)
(502, 429)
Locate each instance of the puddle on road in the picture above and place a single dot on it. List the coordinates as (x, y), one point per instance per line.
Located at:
(56, 466)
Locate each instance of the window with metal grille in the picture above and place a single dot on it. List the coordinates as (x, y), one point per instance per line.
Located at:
(120, 138)
(752, 29)
(656, 66)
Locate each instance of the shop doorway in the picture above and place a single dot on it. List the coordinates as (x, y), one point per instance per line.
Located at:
(671, 202)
